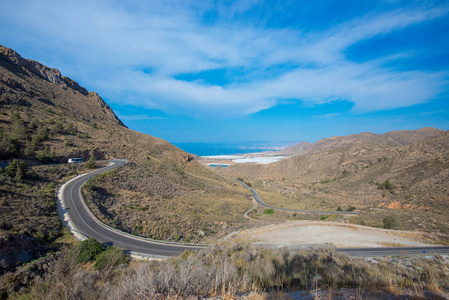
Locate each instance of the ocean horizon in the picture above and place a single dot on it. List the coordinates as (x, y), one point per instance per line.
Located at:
(206, 149)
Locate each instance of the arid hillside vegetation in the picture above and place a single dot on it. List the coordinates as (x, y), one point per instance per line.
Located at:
(410, 183)
(392, 138)
(45, 119)
(241, 272)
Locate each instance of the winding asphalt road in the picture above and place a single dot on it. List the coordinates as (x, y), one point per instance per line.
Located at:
(359, 252)
(84, 222)
(80, 220)
(257, 198)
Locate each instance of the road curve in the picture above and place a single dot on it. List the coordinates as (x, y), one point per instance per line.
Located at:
(257, 198)
(80, 219)
(83, 221)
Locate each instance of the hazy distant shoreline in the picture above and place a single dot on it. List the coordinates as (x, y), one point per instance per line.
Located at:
(210, 149)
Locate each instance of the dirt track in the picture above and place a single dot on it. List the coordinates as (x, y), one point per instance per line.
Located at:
(340, 235)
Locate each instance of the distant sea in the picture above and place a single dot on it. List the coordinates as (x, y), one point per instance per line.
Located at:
(204, 149)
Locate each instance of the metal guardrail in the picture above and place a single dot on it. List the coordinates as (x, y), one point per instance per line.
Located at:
(146, 255)
(62, 212)
(117, 230)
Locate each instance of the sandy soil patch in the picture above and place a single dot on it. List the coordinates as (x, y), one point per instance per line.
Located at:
(340, 235)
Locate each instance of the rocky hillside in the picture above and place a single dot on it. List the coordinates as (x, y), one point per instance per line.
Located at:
(410, 182)
(392, 138)
(46, 118)
(297, 149)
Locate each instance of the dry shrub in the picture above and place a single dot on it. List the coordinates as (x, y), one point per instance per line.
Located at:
(227, 271)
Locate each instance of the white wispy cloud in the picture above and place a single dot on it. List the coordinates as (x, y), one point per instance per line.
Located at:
(109, 46)
(326, 116)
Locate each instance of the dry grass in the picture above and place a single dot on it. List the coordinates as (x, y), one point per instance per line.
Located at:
(230, 271)
(46, 122)
(356, 175)
(145, 200)
(162, 194)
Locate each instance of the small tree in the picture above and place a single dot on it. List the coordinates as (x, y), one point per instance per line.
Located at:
(16, 169)
(42, 133)
(20, 174)
(20, 130)
(30, 149)
(45, 156)
(91, 162)
(11, 169)
(8, 148)
(57, 128)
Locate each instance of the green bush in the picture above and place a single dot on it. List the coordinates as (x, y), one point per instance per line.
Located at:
(34, 124)
(339, 208)
(387, 185)
(89, 249)
(19, 129)
(90, 186)
(42, 133)
(269, 211)
(8, 148)
(16, 169)
(45, 156)
(29, 149)
(57, 128)
(390, 222)
(110, 258)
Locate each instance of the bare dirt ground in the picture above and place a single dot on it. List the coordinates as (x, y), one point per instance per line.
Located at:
(337, 234)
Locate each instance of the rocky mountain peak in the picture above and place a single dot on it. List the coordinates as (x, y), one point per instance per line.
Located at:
(49, 74)
(16, 91)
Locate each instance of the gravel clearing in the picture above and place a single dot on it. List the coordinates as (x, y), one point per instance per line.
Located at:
(337, 234)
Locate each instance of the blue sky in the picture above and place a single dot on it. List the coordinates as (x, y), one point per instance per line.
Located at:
(242, 71)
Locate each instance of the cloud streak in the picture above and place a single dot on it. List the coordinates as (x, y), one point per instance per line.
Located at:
(110, 47)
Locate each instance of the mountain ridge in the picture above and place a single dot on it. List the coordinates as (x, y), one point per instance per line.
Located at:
(391, 138)
(47, 118)
(51, 75)
(409, 182)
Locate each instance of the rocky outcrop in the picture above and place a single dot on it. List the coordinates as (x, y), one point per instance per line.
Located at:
(9, 96)
(106, 108)
(49, 74)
